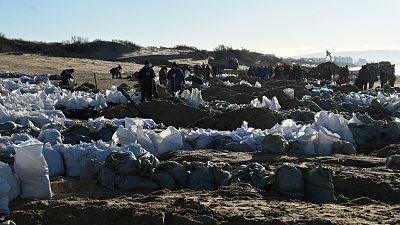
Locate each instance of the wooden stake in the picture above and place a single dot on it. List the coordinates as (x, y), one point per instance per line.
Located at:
(95, 80)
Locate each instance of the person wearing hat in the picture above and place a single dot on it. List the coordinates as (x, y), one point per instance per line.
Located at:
(116, 72)
(146, 76)
(176, 78)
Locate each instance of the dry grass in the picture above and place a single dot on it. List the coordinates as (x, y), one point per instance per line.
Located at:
(84, 68)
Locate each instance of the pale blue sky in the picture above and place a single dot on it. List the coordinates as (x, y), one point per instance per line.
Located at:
(283, 27)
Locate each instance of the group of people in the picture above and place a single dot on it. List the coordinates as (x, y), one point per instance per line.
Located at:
(281, 71)
(367, 77)
(175, 78)
(203, 71)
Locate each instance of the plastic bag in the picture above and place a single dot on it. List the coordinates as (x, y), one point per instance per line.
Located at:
(171, 140)
(7, 174)
(32, 170)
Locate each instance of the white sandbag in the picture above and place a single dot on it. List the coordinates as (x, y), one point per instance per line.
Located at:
(124, 136)
(32, 170)
(266, 102)
(144, 140)
(7, 174)
(257, 84)
(51, 136)
(275, 104)
(75, 158)
(256, 103)
(171, 140)
(325, 141)
(54, 161)
(355, 120)
(307, 143)
(4, 190)
(289, 92)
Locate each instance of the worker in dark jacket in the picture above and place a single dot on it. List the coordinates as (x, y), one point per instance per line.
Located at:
(278, 73)
(176, 78)
(363, 78)
(116, 72)
(66, 78)
(146, 78)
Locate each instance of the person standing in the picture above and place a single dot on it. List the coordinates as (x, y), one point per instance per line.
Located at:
(363, 77)
(163, 75)
(146, 78)
(176, 78)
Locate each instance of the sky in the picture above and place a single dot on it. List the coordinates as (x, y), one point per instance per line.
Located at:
(281, 27)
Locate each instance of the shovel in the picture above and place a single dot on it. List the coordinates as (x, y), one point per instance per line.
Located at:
(127, 96)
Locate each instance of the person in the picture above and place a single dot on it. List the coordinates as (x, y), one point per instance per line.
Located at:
(196, 80)
(278, 74)
(382, 77)
(176, 78)
(116, 72)
(363, 78)
(344, 75)
(270, 71)
(372, 78)
(146, 78)
(392, 77)
(251, 72)
(260, 72)
(207, 72)
(67, 78)
(163, 75)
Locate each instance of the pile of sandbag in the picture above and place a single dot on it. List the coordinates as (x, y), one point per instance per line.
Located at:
(315, 184)
(376, 131)
(252, 173)
(126, 172)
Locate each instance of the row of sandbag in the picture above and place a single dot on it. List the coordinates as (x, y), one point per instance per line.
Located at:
(126, 172)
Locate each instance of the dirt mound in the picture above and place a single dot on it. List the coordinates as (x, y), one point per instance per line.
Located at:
(244, 89)
(377, 111)
(124, 86)
(231, 97)
(257, 118)
(387, 151)
(87, 87)
(346, 88)
(166, 112)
